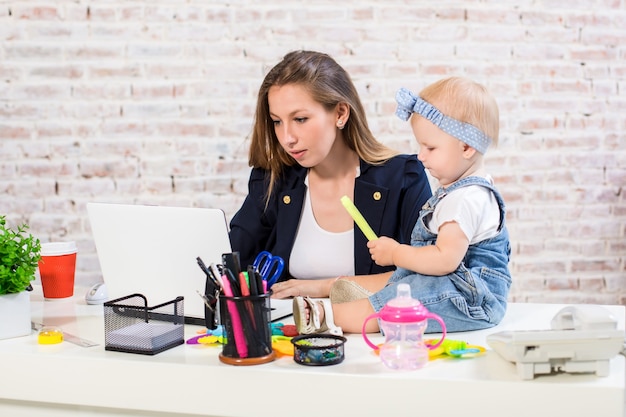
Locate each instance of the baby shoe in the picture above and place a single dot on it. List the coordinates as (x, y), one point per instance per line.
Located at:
(344, 290)
(315, 324)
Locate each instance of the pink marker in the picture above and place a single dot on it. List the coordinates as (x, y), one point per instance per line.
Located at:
(235, 318)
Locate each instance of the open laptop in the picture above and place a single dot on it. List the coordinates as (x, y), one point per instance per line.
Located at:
(152, 250)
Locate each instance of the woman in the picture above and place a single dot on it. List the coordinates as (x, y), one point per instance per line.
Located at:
(310, 146)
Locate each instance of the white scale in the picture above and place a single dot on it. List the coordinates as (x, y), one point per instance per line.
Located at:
(582, 339)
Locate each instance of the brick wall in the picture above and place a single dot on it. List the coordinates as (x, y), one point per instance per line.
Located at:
(151, 102)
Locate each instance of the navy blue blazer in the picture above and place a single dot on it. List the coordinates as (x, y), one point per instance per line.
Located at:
(389, 196)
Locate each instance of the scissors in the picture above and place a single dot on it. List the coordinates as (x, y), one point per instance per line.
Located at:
(269, 267)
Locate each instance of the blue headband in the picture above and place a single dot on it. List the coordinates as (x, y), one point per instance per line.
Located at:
(409, 103)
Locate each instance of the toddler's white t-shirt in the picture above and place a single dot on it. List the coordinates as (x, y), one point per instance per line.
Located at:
(475, 210)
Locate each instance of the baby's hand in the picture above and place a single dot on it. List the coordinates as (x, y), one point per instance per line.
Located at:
(381, 250)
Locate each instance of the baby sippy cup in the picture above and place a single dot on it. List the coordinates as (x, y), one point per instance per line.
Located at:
(403, 322)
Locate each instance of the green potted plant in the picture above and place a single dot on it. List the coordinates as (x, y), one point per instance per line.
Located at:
(19, 257)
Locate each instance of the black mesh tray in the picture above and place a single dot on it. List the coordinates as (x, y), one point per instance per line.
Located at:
(133, 327)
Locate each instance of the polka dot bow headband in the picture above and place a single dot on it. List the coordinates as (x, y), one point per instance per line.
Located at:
(410, 103)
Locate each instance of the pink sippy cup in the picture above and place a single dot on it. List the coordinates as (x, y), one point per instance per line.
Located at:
(403, 322)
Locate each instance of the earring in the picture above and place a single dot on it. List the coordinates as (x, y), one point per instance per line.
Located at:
(340, 124)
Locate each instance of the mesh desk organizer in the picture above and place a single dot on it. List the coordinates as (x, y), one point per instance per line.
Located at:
(133, 327)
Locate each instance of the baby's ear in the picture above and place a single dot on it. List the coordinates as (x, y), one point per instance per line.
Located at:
(468, 151)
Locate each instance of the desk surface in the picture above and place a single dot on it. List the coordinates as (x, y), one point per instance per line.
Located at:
(66, 379)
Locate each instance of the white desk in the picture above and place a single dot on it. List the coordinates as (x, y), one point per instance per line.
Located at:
(65, 379)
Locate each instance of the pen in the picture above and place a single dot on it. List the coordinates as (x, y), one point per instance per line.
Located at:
(261, 284)
(207, 271)
(254, 291)
(358, 218)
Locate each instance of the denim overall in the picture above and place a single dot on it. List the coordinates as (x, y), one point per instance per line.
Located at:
(472, 297)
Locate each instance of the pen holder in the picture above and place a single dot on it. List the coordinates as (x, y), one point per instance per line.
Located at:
(246, 321)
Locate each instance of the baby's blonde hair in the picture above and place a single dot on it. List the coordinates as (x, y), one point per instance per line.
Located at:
(466, 101)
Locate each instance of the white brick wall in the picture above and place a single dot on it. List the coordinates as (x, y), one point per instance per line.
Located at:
(152, 101)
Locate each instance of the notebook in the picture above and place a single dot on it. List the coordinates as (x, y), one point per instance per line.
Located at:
(152, 250)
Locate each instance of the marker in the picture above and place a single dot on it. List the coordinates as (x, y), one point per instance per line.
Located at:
(240, 338)
(243, 283)
(235, 288)
(358, 218)
(254, 290)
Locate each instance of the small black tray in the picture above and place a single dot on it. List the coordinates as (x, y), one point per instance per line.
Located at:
(133, 327)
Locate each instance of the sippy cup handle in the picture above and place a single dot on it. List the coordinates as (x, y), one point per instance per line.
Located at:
(364, 334)
(427, 316)
(443, 330)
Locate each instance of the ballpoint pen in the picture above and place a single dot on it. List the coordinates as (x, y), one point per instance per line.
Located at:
(207, 271)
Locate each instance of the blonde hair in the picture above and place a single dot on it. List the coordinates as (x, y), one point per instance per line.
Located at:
(329, 84)
(466, 101)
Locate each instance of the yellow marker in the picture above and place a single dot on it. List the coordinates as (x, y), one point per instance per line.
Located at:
(358, 218)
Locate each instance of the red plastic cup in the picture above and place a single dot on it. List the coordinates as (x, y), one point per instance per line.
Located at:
(57, 268)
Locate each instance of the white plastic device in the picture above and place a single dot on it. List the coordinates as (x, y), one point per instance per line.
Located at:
(97, 294)
(583, 338)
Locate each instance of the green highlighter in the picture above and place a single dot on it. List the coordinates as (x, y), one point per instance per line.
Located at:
(358, 218)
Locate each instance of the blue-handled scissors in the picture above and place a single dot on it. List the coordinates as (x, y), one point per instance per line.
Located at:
(269, 267)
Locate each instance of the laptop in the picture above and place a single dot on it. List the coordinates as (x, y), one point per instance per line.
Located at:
(152, 250)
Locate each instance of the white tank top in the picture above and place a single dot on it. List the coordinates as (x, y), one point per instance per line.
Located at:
(318, 253)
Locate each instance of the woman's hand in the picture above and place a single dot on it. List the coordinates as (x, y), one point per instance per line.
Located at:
(316, 288)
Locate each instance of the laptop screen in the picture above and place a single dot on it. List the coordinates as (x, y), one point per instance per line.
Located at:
(152, 250)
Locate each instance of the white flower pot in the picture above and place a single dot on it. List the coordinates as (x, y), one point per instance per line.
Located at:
(14, 315)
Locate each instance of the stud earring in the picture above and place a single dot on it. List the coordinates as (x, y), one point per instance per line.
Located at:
(340, 124)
